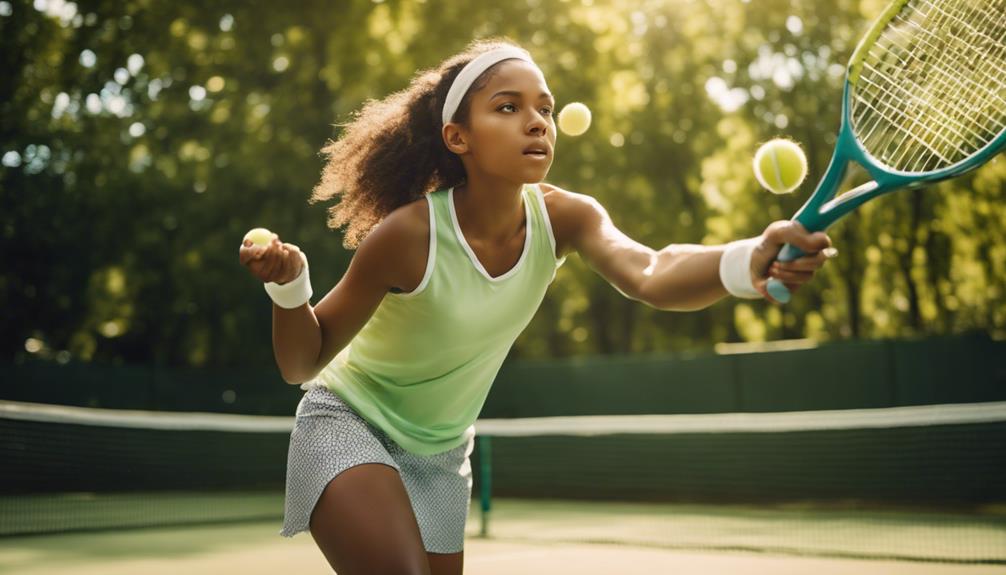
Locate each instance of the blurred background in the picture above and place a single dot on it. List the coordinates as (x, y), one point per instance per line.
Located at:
(140, 140)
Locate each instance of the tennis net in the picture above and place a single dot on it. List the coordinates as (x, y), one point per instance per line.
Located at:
(74, 468)
(923, 483)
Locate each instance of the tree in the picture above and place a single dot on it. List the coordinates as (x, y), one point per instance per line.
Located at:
(140, 140)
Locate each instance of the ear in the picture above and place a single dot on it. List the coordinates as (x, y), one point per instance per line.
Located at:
(455, 138)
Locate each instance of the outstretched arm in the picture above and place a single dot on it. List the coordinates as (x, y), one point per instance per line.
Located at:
(679, 277)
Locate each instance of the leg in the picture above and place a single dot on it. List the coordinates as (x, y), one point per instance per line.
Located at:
(440, 489)
(446, 563)
(364, 524)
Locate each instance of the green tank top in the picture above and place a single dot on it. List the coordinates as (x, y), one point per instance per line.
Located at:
(421, 367)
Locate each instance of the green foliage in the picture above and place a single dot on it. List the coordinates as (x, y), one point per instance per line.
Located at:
(141, 139)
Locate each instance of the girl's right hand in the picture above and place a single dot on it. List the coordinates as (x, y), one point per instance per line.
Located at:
(276, 262)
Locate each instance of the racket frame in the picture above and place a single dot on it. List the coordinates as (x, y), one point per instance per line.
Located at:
(822, 208)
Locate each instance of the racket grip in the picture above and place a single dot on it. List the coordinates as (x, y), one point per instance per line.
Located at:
(775, 287)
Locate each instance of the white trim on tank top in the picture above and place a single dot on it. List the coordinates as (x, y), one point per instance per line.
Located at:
(548, 225)
(528, 226)
(430, 258)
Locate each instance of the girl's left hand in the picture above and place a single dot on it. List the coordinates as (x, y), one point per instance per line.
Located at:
(815, 246)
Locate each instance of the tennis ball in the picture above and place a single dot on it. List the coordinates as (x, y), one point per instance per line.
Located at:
(780, 166)
(258, 236)
(574, 119)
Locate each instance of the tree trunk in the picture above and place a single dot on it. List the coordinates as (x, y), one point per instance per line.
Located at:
(853, 278)
(914, 315)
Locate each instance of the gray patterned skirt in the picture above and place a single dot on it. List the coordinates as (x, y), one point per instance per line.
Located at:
(329, 437)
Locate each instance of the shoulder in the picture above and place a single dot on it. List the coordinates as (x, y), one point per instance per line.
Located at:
(564, 204)
(409, 222)
(405, 225)
(399, 245)
(570, 213)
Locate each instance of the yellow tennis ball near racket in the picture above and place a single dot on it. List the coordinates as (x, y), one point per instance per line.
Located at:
(780, 166)
(258, 236)
(574, 119)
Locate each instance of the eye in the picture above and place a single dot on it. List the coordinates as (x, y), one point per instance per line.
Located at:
(546, 111)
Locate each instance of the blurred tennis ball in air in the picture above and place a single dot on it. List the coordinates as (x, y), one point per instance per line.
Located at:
(780, 165)
(258, 236)
(574, 119)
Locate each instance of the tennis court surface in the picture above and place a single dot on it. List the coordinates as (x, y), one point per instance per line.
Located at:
(887, 491)
(540, 537)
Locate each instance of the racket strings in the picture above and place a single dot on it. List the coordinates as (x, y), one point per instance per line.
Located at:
(942, 79)
(932, 89)
(984, 45)
(991, 68)
(904, 129)
(900, 153)
(950, 141)
(887, 111)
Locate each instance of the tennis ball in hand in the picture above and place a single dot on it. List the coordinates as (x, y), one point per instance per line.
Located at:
(574, 119)
(258, 236)
(780, 166)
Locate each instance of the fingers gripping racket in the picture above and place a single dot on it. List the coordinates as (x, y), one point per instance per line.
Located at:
(924, 100)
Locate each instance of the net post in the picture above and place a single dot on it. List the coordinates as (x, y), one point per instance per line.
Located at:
(485, 482)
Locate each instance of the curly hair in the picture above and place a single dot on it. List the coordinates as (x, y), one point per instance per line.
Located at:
(392, 152)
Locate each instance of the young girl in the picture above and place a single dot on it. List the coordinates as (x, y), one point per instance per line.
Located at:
(456, 242)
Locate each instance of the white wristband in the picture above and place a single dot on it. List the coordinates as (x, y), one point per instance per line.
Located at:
(292, 294)
(735, 268)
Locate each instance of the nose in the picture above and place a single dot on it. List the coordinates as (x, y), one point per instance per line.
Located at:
(538, 125)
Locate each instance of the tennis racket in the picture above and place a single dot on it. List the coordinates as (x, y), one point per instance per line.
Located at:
(924, 101)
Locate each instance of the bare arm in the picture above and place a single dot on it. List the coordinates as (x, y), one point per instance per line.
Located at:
(679, 277)
(296, 340)
(307, 338)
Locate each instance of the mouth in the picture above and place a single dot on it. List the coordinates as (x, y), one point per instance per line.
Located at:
(539, 152)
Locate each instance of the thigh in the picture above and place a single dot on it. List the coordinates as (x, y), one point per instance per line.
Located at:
(363, 523)
(439, 487)
(446, 563)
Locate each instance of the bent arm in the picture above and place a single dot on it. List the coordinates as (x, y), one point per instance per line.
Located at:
(306, 339)
(296, 341)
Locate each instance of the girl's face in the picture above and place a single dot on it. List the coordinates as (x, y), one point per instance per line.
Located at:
(511, 132)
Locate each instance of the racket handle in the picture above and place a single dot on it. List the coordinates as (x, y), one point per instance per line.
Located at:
(775, 287)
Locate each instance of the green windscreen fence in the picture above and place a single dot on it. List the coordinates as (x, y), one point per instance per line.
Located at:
(933, 471)
(797, 375)
(73, 468)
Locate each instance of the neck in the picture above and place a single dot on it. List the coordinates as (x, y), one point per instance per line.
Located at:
(489, 210)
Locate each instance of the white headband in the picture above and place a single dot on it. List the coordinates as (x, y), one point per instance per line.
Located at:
(473, 70)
